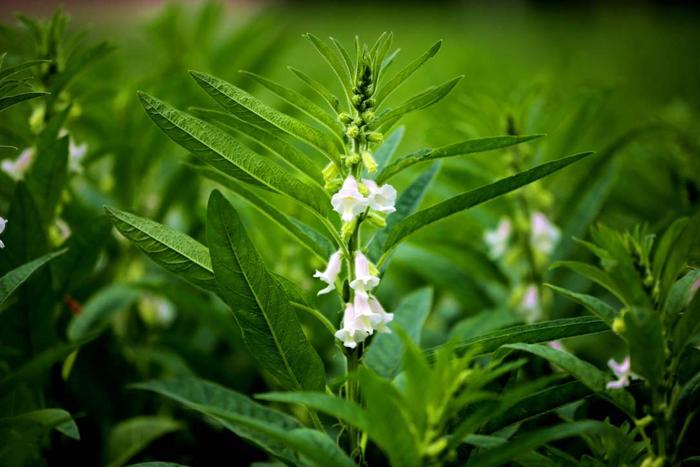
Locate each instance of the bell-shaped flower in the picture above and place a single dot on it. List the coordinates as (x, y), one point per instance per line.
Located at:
(497, 239)
(349, 202)
(380, 198)
(355, 328)
(367, 306)
(16, 169)
(623, 372)
(366, 274)
(530, 304)
(331, 273)
(3, 223)
(544, 234)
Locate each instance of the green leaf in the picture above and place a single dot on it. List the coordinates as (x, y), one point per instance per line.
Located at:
(261, 307)
(588, 374)
(129, 437)
(406, 204)
(11, 70)
(688, 326)
(425, 99)
(8, 101)
(681, 293)
(216, 401)
(231, 98)
(520, 445)
(335, 61)
(305, 105)
(349, 66)
(343, 409)
(539, 332)
(284, 150)
(308, 238)
(472, 198)
(647, 345)
(218, 149)
(389, 424)
(539, 403)
(48, 177)
(596, 275)
(593, 304)
(319, 88)
(100, 308)
(15, 278)
(466, 147)
(483, 322)
(385, 351)
(173, 250)
(385, 152)
(678, 254)
(386, 89)
(20, 432)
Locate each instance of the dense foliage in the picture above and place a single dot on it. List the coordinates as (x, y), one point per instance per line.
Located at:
(299, 280)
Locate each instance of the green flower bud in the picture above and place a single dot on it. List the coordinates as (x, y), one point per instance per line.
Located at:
(344, 117)
(618, 325)
(369, 162)
(377, 219)
(364, 191)
(356, 99)
(368, 116)
(348, 229)
(358, 121)
(330, 172)
(352, 159)
(370, 89)
(375, 137)
(334, 185)
(371, 102)
(352, 131)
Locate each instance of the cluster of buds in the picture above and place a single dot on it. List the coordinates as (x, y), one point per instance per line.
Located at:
(363, 314)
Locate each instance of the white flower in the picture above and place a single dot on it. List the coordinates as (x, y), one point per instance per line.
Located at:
(497, 239)
(3, 223)
(76, 154)
(382, 198)
(530, 304)
(349, 202)
(622, 371)
(16, 169)
(545, 235)
(379, 317)
(331, 273)
(366, 274)
(556, 345)
(355, 328)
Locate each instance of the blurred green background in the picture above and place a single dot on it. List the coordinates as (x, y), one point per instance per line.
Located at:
(620, 79)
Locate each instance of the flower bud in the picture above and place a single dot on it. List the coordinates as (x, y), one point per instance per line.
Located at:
(348, 229)
(377, 219)
(352, 159)
(364, 190)
(330, 172)
(370, 89)
(644, 421)
(618, 325)
(332, 186)
(352, 131)
(369, 162)
(375, 137)
(356, 99)
(344, 117)
(368, 116)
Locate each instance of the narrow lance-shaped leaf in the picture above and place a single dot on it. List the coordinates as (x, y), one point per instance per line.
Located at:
(313, 241)
(319, 88)
(220, 150)
(9, 101)
(230, 97)
(343, 409)
(530, 333)
(425, 99)
(272, 142)
(303, 104)
(385, 152)
(472, 198)
(15, 278)
(130, 436)
(173, 250)
(206, 398)
(588, 374)
(467, 147)
(11, 70)
(593, 304)
(392, 84)
(334, 60)
(261, 307)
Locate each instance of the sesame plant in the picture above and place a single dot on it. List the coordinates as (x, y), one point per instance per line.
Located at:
(336, 164)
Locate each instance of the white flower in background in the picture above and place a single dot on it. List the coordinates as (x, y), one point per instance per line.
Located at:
(3, 223)
(530, 304)
(366, 274)
(556, 345)
(497, 239)
(623, 372)
(331, 273)
(76, 153)
(355, 328)
(349, 202)
(157, 311)
(545, 235)
(380, 198)
(16, 169)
